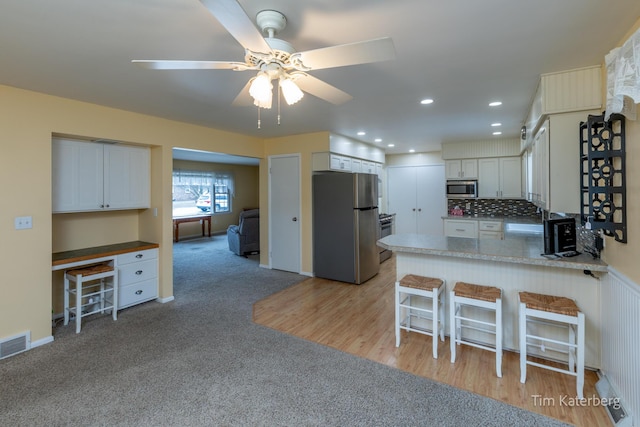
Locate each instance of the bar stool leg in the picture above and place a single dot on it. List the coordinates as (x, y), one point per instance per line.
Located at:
(441, 302)
(522, 323)
(114, 310)
(499, 337)
(397, 315)
(452, 326)
(78, 303)
(580, 367)
(434, 322)
(66, 299)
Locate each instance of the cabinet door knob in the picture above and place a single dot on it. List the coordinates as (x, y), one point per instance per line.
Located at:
(138, 292)
(139, 272)
(139, 256)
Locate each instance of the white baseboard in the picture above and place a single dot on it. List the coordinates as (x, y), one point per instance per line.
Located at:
(42, 341)
(165, 300)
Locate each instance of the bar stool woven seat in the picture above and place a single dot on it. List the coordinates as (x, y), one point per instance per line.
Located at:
(558, 312)
(90, 297)
(487, 298)
(407, 312)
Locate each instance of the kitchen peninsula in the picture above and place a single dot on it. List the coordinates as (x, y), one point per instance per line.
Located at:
(513, 264)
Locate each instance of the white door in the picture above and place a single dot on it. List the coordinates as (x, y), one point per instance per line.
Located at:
(417, 197)
(284, 212)
(401, 197)
(431, 199)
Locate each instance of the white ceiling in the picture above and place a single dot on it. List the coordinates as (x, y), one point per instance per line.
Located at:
(462, 53)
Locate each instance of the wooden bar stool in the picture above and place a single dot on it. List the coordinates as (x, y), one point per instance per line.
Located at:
(90, 297)
(482, 297)
(559, 312)
(410, 286)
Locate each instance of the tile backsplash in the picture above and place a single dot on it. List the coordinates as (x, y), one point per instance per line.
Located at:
(496, 207)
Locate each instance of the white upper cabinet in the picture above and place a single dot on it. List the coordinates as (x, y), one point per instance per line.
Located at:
(77, 175)
(336, 162)
(499, 177)
(89, 176)
(461, 169)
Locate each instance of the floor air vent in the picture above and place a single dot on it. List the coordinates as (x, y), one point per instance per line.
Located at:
(15, 344)
(617, 413)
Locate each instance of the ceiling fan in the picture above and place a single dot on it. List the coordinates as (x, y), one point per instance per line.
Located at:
(276, 59)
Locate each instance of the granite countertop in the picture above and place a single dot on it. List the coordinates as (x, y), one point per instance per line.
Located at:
(519, 249)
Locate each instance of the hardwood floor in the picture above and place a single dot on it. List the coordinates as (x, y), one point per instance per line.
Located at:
(360, 320)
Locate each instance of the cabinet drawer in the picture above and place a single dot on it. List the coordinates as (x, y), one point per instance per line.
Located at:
(491, 226)
(457, 228)
(137, 293)
(137, 256)
(490, 235)
(137, 272)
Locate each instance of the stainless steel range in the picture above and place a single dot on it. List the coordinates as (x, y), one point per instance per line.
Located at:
(387, 227)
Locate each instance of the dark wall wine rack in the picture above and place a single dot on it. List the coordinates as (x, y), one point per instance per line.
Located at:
(602, 175)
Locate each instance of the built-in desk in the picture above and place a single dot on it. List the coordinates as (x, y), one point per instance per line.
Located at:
(136, 263)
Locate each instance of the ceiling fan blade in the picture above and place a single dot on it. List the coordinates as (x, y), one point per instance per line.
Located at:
(364, 52)
(322, 90)
(190, 65)
(236, 21)
(243, 99)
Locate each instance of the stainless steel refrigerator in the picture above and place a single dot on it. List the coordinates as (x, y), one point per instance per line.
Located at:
(345, 226)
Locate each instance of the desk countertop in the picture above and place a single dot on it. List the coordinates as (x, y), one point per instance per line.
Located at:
(66, 257)
(513, 249)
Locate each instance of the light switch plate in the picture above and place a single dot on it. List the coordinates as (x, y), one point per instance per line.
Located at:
(23, 222)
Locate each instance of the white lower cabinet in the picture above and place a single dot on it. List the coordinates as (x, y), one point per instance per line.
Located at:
(137, 277)
(490, 230)
(461, 228)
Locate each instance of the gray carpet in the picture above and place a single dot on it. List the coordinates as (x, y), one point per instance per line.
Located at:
(200, 361)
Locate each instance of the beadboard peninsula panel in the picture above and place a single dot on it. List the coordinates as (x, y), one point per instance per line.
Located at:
(480, 148)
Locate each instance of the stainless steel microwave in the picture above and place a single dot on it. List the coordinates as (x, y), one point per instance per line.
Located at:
(462, 189)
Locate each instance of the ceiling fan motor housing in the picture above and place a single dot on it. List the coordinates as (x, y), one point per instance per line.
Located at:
(271, 22)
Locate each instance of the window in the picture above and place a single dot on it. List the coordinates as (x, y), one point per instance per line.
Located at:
(199, 192)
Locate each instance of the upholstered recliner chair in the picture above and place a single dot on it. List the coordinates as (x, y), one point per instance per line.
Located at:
(244, 238)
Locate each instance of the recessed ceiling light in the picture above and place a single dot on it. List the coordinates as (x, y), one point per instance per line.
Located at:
(377, 140)
(412, 151)
(426, 101)
(497, 133)
(391, 145)
(495, 103)
(361, 133)
(496, 124)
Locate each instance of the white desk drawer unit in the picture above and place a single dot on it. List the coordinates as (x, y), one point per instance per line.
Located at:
(137, 277)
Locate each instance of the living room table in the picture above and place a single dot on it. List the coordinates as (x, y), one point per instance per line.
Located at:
(192, 218)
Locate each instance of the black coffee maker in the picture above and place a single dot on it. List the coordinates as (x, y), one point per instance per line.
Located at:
(559, 236)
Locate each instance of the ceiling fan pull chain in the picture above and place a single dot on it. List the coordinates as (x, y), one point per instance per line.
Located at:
(278, 104)
(258, 117)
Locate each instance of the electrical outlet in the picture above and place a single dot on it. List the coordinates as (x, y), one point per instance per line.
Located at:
(23, 222)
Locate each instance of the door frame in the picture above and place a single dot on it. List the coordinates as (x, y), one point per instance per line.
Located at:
(298, 157)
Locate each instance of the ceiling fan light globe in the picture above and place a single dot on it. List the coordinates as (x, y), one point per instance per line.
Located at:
(290, 91)
(261, 90)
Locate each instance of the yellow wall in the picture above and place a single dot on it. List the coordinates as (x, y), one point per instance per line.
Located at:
(624, 257)
(304, 145)
(28, 120)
